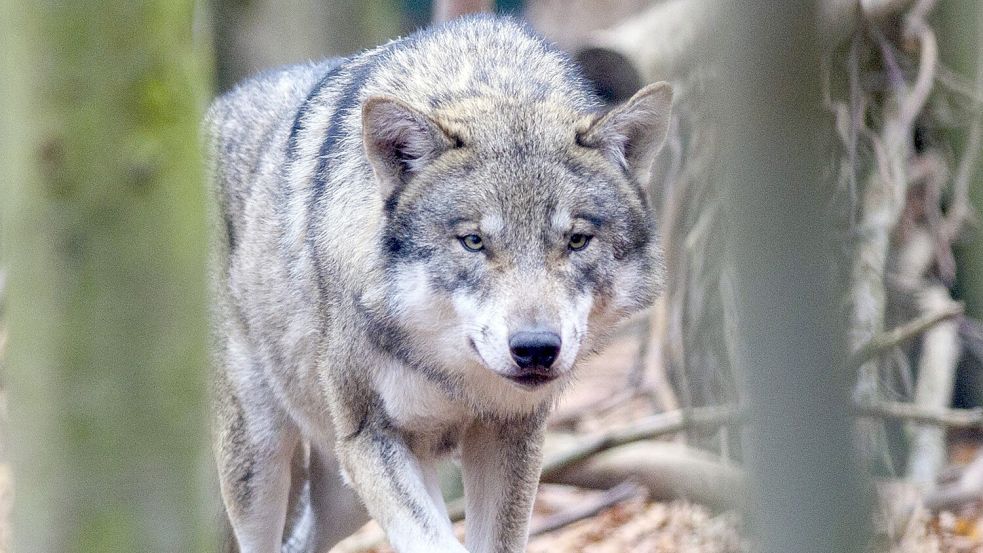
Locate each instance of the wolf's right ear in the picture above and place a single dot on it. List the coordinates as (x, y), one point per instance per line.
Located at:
(399, 141)
(631, 134)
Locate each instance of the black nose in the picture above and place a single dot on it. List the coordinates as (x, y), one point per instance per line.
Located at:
(534, 349)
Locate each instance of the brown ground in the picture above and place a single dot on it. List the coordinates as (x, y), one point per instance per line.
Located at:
(640, 526)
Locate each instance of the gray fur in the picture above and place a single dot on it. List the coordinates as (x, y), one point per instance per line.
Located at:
(351, 322)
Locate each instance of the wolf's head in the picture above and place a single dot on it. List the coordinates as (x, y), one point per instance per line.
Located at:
(517, 233)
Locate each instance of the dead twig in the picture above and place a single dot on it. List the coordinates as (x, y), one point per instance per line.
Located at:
(896, 336)
(645, 429)
(622, 492)
(952, 418)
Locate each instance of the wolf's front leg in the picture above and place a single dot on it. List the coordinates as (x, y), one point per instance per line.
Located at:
(394, 487)
(501, 464)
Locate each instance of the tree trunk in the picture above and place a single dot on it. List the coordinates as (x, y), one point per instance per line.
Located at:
(103, 239)
(804, 481)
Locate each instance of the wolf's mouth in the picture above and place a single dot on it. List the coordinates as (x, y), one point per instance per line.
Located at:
(531, 380)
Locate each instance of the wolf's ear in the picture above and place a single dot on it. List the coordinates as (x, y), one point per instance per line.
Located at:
(632, 133)
(399, 141)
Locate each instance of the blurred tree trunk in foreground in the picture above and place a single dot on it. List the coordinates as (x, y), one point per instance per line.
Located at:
(103, 230)
(791, 339)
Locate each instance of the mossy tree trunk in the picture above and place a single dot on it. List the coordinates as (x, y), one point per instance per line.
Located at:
(104, 243)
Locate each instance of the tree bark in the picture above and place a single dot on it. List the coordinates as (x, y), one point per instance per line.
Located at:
(806, 488)
(103, 237)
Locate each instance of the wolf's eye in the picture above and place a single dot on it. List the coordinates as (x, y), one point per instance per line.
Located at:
(578, 242)
(472, 242)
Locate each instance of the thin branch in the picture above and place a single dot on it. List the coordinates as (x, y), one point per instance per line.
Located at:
(898, 335)
(915, 101)
(882, 205)
(961, 210)
(916, 16)
(645, 429)
(952, 418)
(622, 492)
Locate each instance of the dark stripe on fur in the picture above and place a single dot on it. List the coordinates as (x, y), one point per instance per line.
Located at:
(348, 99)
(305, 107)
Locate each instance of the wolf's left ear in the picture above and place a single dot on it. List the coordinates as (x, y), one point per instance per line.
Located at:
(632, 133)
(399, 141)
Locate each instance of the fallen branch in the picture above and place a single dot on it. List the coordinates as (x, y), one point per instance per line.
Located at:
(667, 470)
(952, 418)
(644, 429)
(621, 492)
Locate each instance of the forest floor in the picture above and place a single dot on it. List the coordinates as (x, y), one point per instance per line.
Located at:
(639, 525)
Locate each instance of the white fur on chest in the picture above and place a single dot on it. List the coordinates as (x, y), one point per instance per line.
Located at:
(414, 403)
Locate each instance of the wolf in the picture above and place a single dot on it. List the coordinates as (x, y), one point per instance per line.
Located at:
(416, 247)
